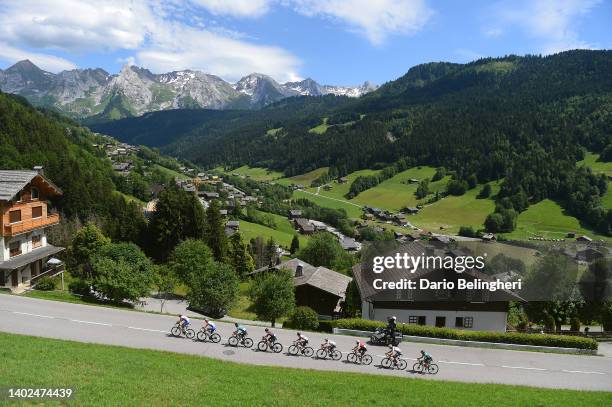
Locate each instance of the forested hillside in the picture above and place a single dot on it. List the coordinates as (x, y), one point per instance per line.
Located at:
(29, 137)
(526, 120)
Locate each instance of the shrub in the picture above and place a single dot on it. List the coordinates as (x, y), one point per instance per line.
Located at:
(559, 341)
(80, 287)
(45, 284)
(575, 324)
(304, 318)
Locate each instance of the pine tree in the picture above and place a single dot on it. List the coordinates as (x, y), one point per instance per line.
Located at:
(239, 256)
(295, 244)
(215, 232)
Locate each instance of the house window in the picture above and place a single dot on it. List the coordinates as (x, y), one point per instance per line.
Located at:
(36, 241)
(15, 216)
(416, 319)
(34, 193)
(15, 248)
(37, 212)
(468, 322)
(459, 322)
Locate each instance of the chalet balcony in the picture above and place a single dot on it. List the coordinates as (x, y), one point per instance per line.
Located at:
(30, 224)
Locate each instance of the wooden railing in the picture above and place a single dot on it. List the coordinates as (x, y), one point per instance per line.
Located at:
(30, 224)
(51, 271)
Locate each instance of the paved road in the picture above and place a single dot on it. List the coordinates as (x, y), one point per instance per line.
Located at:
(142, 330)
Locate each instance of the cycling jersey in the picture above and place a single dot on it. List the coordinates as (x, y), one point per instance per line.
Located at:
(185, 320)
(212, 326)
(396, 351)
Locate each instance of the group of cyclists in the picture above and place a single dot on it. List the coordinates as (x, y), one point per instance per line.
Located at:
(328, 347)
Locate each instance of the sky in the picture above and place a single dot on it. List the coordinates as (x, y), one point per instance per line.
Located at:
(338, 42)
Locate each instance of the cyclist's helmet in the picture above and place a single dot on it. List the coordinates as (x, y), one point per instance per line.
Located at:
(422, 352)
(390, 346)
(266, 329)
(299, 334)
(394, 318)
(236, 324)
(326, 340)
(357, 342)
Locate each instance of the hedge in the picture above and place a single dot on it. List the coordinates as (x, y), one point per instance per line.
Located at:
(558, 341)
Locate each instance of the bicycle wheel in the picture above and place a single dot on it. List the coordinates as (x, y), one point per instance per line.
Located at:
(293, 350)
(175, 331)
(386, 363)
(417, 367)
(433, 368)
(308, 351)
(351, 357)
(336, 354)
(190, 333)
(248, 342)
(321, 354)
(262, 346)
(233, 341)
(201, 336)
(366, 360)
(215, 338)
(277, 347)
(402, 364)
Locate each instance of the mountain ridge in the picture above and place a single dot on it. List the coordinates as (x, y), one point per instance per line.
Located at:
(94, 94)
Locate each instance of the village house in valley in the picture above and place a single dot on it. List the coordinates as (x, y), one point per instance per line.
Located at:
(319, 288)
(25, 254)
(477, 309)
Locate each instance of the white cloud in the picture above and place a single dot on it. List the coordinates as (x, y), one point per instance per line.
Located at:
(375, 19)
(236, 8)
(176, 46)
(49, 63)
(493, 32)
(160, 35)
(76, 25)
(553, 22)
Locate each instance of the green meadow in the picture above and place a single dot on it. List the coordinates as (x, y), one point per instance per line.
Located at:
(257, 173)
(119, 376)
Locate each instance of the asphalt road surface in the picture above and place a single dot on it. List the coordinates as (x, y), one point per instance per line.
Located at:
(109, 326)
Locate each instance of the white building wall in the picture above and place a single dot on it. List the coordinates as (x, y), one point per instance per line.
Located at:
(482, 320)
(3, 250)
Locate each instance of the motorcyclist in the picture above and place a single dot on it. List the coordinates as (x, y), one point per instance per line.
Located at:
(391, 328)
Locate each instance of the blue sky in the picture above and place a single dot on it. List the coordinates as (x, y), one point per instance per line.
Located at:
(342, 42)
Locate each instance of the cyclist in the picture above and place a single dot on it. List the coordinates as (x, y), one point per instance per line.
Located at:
(360, 348)
(240, 331)
(183, 322)
(269, 336)
(328, 345)
(425, 358)
(210, 326)
(394, 353)
(301, 340)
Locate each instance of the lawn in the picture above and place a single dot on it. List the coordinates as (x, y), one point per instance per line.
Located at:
(546, 219)
(338, 191)
(242, 307)
(111, 375)
(171, 173)
(257, 173)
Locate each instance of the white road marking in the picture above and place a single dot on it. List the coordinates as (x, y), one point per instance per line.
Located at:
(523, 367)
(32, 315)
(89, 322)
(581, 371)
(460, 363)
(146, 329)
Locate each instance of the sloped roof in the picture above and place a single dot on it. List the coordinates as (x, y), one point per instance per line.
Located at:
(320, 277)
(12, 182)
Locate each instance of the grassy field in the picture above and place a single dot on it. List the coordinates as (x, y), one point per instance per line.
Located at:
(321, 128)
(256, 173)
(110, 375)
(242, 307)
(304, 179)
(352, 210)
(395, 193)
(546, 219)
(590, 160)
(171, 173)
(282, 236)
(338, 191)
